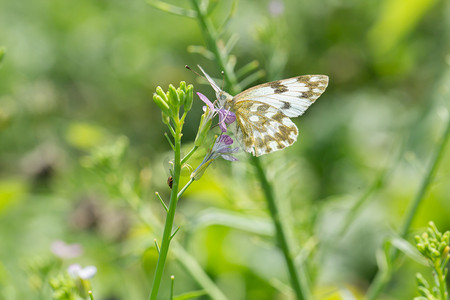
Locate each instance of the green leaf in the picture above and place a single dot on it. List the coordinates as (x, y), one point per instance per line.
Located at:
(2, 53)
(250, 79)
(210, 216)
(172, 9)
(201, 50)
(250, 67)
(190, 295)
(231, 43)
(409, 250)
(382, 257)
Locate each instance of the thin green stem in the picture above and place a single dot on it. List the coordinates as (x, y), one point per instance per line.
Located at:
(210, 35)
(441, 281)
(185, 187)
(191, 265)
(162, 202)
(355, 211)
(280, 234)
(426, 182)
(185, 259)
(170, 216)
(170, 142)
(192, 151)
(382, 278)
(172, 131)
(172, 279)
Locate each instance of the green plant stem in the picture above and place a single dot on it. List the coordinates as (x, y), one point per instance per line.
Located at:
(170, 216)
(192, 151)
(441, 281)
(185, 187)
(280, 234)
(356, 209)
(191, 265)
(187, 261)
(382, 278)
(210, 35)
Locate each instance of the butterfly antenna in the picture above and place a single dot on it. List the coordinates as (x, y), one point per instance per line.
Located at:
(198, 74)
(223, 79)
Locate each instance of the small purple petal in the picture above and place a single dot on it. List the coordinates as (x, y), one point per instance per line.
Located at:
(222, 116)
(222, 127)
(206, 100)
(225, 139)
(229, 157)
(230, 117)
(225, 150)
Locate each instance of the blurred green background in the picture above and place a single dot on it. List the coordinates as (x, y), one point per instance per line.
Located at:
(77, 75)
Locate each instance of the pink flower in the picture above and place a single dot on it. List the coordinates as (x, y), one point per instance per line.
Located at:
(225, 116)
(221, 148)
(66, 251)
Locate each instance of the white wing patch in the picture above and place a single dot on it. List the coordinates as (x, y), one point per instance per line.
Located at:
(262, 128)
(263, 112)
(291, 96)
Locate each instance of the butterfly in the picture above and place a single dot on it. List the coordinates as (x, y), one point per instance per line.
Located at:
(263, 112)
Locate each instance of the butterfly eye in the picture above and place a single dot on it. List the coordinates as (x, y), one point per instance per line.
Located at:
(222, 97)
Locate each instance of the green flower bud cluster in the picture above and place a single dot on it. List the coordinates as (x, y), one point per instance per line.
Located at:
(171, 101)
(64, 288)
(434, 246)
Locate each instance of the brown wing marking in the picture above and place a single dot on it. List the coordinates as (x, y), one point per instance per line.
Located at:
(262, 128)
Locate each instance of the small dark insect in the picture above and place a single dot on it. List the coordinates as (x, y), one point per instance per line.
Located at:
(170, 181)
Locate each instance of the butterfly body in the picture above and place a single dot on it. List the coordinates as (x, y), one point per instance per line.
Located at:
(263, 112)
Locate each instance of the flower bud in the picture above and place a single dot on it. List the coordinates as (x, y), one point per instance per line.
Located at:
(446, 251)
(165, 118)
(435, 253)
(197, 174)
(205, 125)
(174, 100)
(189, 98)
(162, 104)
(183, 86)
(421, 281)
(181, 96)
(161, 93)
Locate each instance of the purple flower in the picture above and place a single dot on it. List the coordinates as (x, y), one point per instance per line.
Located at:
(225, 116)
(221, 148)
(66, 251)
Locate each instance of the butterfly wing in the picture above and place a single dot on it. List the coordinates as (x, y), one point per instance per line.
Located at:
(291, 96)
(262, 128)
(213, 84)
(263, 112)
